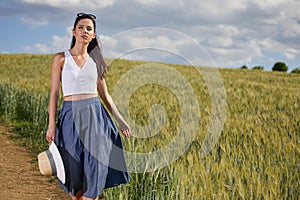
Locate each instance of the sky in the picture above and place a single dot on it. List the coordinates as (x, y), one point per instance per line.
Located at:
(221, 33)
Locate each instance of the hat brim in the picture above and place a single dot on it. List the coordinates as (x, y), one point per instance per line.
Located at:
(60, 169)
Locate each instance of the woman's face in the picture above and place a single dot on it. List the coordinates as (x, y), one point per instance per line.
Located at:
(84, 31)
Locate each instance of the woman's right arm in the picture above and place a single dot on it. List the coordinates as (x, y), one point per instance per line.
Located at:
(56, 69)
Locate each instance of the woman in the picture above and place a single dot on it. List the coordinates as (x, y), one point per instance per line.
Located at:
(85, 134)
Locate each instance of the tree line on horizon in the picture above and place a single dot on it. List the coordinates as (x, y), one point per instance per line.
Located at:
(278, 66)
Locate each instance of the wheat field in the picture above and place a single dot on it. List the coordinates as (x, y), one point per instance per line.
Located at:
(257, 155)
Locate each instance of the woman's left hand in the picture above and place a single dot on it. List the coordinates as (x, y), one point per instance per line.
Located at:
(125, 129)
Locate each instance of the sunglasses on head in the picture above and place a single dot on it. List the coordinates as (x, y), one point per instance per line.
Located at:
(86, 15)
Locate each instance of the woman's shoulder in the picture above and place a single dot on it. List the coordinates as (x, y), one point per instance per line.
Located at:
(59, 56)
(59, 59)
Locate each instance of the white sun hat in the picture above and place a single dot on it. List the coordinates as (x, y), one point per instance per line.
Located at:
(51, 164)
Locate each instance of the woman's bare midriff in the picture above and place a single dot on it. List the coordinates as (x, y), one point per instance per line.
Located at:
(75, 97)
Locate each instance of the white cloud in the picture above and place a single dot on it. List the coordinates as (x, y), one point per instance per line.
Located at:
(149, 2)
(269, 4)
(274, 46)
(155, 44)
(237, 55)
(58, 43)
(145, 43)
(291, 53)
(35, 22)
(88, 4)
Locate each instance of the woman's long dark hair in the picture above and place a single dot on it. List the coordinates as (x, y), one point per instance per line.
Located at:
(93, 49)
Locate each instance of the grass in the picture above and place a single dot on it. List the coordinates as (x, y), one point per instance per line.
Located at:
(256, 157)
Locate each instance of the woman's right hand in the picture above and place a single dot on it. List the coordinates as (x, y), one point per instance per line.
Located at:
(125, 129)
(50, 135)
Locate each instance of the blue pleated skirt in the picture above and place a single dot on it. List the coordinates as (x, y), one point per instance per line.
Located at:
(91, 148)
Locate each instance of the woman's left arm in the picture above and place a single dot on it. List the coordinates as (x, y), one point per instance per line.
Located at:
(109, 103)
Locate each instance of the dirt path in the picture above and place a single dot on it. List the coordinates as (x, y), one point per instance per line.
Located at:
(19, 174)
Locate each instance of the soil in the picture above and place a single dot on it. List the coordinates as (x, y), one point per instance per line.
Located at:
(20, 177)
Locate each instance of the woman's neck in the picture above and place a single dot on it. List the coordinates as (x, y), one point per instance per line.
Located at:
(79, 50)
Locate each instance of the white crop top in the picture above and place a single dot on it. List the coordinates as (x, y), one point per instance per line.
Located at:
(76, 80)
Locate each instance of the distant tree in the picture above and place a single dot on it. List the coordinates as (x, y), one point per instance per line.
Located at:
(296, 70)
(258, 68)
(244, 67)
(280, 66)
